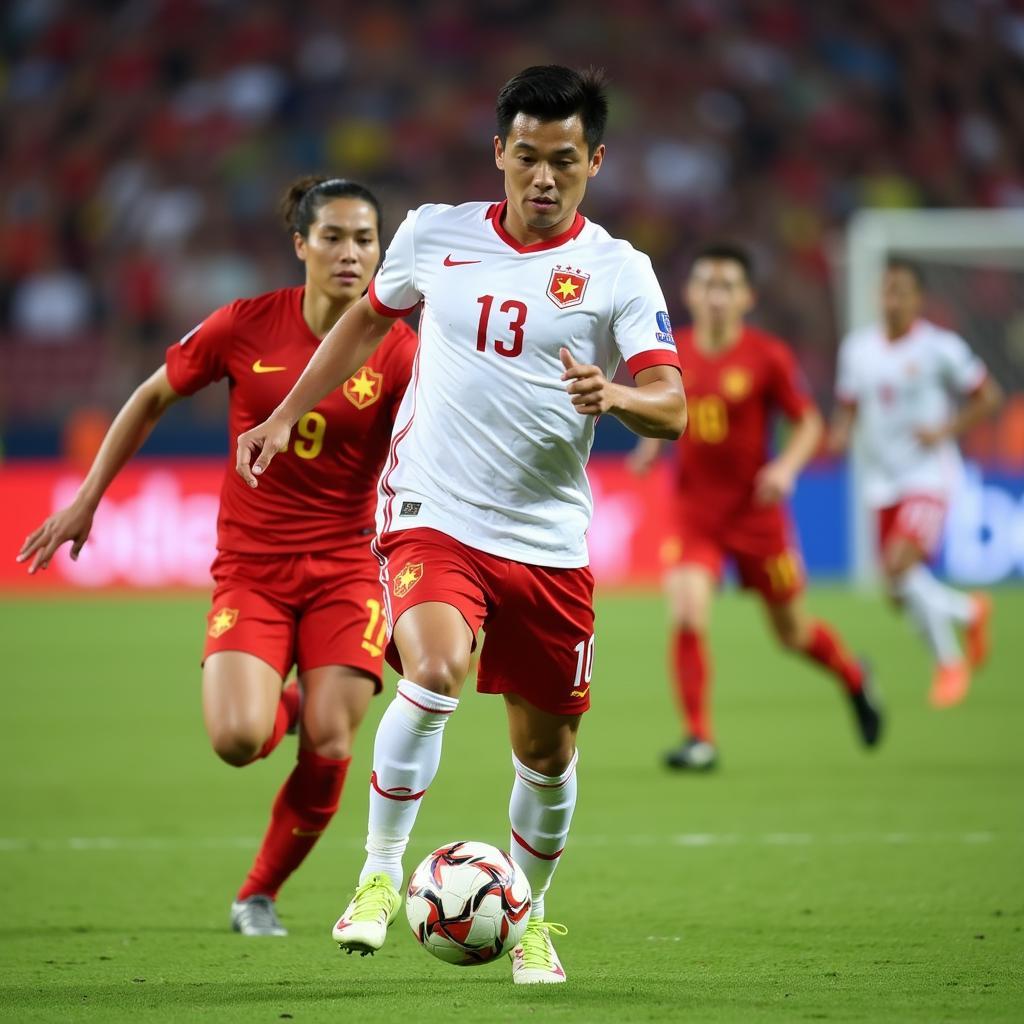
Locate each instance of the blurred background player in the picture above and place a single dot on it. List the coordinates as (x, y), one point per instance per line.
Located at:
(484, 502)
(295, 581)
(901, 382)
(730, 495)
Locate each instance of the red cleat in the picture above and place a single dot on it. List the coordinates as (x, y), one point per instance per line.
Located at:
(977, 634)
(950, 684)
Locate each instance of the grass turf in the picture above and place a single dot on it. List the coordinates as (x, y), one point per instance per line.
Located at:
(807, 880)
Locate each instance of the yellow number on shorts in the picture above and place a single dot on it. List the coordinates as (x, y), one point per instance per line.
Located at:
(377, 624)
(311, 427)
(783, 571)
(710, 419)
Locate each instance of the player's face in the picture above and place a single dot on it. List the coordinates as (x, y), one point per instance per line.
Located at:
(718, 294)
(546, 167)
(342, 249)
(901, 300)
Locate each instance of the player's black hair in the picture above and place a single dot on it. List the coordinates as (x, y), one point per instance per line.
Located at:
(908, 267)
(728, 251)
(551, 92)
(304, 197)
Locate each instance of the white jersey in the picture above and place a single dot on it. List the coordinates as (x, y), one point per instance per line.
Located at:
(487, 446)
(899, 387)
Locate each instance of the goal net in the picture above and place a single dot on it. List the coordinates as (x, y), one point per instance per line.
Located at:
(973, 265)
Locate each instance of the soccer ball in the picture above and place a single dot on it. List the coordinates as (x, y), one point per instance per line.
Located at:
(468, 903)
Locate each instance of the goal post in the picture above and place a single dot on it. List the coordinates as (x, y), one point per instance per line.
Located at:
(973, 263)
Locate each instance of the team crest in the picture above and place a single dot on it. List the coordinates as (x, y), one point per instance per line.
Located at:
(736, 383)
(567, 286)
(221, 621)
(407, 578)
(364, 387)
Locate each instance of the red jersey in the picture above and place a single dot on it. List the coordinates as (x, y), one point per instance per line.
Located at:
(732, 398)
(322, 491)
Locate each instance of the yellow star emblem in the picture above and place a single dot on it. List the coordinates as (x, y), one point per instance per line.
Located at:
(567, 289)
(222, 621)
(407, 578)
(364, 387)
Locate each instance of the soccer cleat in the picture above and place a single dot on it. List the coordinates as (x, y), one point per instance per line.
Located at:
(977, 634)
(950, 684)
(867, 708)
(256, 915)
(534, 960)
(693, 755)
(364, 925)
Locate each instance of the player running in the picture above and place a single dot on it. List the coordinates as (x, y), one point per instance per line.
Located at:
(484, 503)
(730, 495)
(901, 382)
(295, 580)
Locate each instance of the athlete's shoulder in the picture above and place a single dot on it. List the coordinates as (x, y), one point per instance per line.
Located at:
(861, 339)
(261, 307)
(770, 346)
(934, 334)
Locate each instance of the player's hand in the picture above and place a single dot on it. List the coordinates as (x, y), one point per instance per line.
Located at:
(643, 456)
(590, 390)
(774, 483)
(70, 524)
(261, 444)
(928, 437)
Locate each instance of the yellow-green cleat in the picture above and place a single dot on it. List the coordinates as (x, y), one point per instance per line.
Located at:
(534, 960)
(363, 927)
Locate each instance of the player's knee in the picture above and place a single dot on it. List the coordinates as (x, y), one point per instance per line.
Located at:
(438, 672)
(549, 756)
(789, 635)
(690, 620)
(331, 740)
(237, 746)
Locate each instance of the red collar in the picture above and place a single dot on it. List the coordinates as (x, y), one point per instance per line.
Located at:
(496, 215)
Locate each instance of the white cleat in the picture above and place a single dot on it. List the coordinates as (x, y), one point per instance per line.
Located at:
(364, 925)
(256, 915)
(534, 960)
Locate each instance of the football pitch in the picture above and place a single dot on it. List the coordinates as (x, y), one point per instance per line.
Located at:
(806, 880)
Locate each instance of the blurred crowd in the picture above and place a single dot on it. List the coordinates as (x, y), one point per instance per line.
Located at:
(145, 144)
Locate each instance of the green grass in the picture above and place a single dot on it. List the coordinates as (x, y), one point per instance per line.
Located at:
(806, 881)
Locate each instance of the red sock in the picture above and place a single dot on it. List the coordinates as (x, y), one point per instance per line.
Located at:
(692, 678)
(825, 647)
(287, 714)
(303, 808)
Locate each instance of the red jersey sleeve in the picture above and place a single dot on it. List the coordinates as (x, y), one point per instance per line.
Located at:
(788, 388)
(201, 357)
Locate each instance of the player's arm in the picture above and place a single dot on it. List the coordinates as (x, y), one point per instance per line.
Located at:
(840, 428)
(126, 435)
(346, 347)
(777, 478)
(655, 407)
(979, 405)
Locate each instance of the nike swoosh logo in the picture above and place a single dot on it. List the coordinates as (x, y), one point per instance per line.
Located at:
(258, 367)
(449, 262)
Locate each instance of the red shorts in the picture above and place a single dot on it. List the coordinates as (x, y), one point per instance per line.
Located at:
(539, 621)
(758, 541)
(308, 610)
(917, 518)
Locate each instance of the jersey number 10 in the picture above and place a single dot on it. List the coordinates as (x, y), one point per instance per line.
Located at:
(517, 321)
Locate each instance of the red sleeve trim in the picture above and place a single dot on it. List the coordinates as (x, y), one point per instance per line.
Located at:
(653, 357)
(383, 308)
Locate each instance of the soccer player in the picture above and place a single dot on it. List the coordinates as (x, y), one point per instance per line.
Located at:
(484, 505)
(295, 580)
(730, 495)
(912, 389)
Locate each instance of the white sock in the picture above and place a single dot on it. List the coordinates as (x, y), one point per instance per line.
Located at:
(928, 609)
(540, 812)
(406, 753)
(954, 603)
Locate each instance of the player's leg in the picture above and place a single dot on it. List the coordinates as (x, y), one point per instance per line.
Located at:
(540, 813)
(335, 701)
(819, 642)
(910, 533)
(436, 606)
(690, 589)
